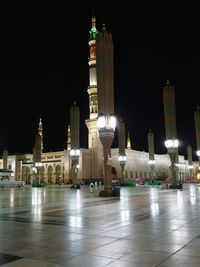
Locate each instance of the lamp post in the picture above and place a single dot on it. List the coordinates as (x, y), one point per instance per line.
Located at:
(151, 152)
(106, 122)
(74, 153)
(122, 154)
(152, 163)
(106, 126)
(37, 159)
(172, 146)
(197, 128)
(190, 166)
(122, 162)
(75, 136)
(171, 142)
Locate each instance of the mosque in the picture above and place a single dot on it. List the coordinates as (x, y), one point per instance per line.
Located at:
(59, 167)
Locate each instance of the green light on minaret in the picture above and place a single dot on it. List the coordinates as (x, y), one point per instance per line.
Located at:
(93, 31)
(40, 124)
(93, 34)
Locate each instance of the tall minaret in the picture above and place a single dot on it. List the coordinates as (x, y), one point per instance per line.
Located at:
(40, 130)
(68, 138)
(94, 143)
(92, 88)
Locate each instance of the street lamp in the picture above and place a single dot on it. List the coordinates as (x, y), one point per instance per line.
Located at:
(106, 121)
(75, 136)
(172, 148)
(197, 129)
(171, 142)
(122, 150)
(122, 162)
(190, 165)
(151, 161)
(198, 155)
(74, 154)
(106, 126)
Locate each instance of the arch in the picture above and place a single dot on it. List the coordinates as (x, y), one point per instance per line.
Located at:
(42, 176)
(58, 174)
(26, 175)
(50, 174)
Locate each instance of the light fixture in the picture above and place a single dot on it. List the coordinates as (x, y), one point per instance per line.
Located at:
(112, 122)
(74, 152)
(38, 164)
(101, 121)
(106, 122)
(122, 158)
(171, 143)
(151, 161)
(34, 169)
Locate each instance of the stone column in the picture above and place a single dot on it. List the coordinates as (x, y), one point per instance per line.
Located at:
(75, 137)
(121, 141)
(197, 128)
(151, 152)
(190, 165)
(170, 128)
(105, 90)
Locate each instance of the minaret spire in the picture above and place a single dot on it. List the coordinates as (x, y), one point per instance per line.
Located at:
(93, 31)
(68, 138)
(128, 142)
(40, 131)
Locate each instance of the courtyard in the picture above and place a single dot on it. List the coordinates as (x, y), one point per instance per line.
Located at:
(59, 226)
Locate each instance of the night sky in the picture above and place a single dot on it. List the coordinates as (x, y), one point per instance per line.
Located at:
(44, 68)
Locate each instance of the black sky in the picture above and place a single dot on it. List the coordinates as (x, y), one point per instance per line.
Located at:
(44, 68)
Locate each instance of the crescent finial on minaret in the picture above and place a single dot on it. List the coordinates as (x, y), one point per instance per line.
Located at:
(93, 31)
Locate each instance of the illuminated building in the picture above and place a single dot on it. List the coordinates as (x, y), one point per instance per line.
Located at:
(56, 166)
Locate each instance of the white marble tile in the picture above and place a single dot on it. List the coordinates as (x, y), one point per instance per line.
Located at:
(30, 263)
(135, 230)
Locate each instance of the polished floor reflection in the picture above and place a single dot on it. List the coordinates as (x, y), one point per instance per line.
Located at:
(59, 226)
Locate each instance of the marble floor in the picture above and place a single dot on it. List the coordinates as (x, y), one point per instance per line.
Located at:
(59, 226)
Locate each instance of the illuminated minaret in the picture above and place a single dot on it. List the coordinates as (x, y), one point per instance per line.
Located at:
(94, 143)
(128, 142)
(92, 88)
(40, 130)
(68, 138)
